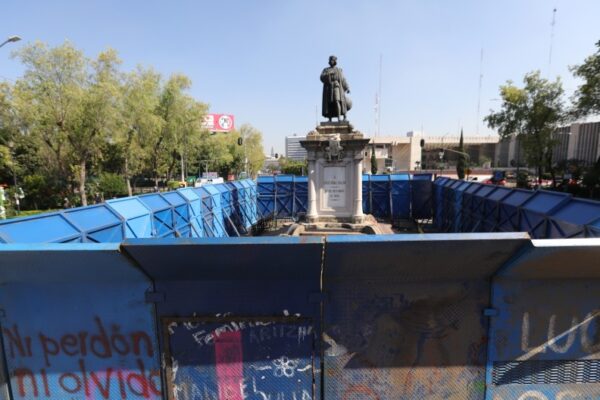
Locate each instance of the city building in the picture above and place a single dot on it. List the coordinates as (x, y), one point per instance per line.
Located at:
(404, 153)
(578, 141)
(293, 150)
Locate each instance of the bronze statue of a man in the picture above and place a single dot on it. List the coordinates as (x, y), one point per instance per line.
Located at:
(335, 87)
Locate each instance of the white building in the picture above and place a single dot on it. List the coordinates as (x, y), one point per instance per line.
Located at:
(293, 150)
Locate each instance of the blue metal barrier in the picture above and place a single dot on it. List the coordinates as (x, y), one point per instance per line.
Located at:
(465, 316)
(400, 196)
(489, 208)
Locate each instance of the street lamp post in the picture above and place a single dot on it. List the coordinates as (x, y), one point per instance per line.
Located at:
(10, 39)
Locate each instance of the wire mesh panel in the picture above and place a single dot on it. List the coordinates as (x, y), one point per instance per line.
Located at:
(545, 324)
(403, 317)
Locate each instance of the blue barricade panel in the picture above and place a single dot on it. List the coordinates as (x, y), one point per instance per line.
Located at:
(408, 308)
(181, 213)
(76, 324)
(98, 223)
(535, 210)
(571, 220)
(233, 309)
(380, 196)
(300, 194)
(138, 219)
(284, 196)
(52, 227)
(544, 329)
(421, 188)
(491, 208)
(400, 193)
(509, 210)
(478, 207)
(216, 211)
(469, 218)
(366, 193)
(265, 186)
(438, 188)
(162, 214)
(195, 209)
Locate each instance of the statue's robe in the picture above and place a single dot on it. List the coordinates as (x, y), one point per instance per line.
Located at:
(334, 90)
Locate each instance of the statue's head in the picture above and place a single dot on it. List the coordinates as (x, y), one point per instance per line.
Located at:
(332, 61)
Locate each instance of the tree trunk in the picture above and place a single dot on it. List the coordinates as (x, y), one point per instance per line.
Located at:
(82, 173)
(127, 177)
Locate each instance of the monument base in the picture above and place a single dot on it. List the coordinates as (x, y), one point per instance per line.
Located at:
(335, 154)
(331, 226)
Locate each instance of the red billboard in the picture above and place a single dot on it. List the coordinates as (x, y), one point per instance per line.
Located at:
(218, 122)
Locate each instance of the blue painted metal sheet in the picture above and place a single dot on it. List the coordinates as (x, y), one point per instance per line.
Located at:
(544, 329)
(366, 193)
(421, 187)
(469, 217)
(380, 191)
(75, 324)
(491, 208)
(51, 227)
(97, 223)
(266, 196)
(572, 219)
(284, 196)
(509, 210)
(300, 194)
(459, 213)
(181, 213)
(195, 210)
(162, 214)
(403, 317)
(232, 207)
(438, 192)
(243, 206)
(258, 297)
(207, 207)
(251, 198)
(478, 207)
(400, 193)
(138, 218)
(535, 210)
(218, 222)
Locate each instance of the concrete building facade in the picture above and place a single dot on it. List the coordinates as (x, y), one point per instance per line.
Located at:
(293, 150)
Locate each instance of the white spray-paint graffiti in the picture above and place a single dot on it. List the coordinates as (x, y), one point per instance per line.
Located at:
(558, 340)
(248, 390)
(538, 395)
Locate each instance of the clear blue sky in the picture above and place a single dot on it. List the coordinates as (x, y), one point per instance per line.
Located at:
(260, 60)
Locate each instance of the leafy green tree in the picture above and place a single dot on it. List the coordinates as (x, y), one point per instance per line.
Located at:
(373, 161)
(293, 167)
(587, 96)
(532, 113)
(461, 162)
(140, 97)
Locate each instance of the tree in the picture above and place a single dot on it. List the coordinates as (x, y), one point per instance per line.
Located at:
(532, 113)
(373, 161)
(140, 97)
(587, 97)
(293, 167)
(461, 162)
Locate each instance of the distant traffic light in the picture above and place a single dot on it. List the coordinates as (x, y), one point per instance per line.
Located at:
(240, 141)
(276, 155)
(422, 143)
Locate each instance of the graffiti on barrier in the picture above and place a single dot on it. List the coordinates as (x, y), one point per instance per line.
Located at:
(94, 360)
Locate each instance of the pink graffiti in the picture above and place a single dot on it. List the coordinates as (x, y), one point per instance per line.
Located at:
(229, 365)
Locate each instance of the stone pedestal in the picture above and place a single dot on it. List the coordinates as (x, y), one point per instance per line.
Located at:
(335, 154)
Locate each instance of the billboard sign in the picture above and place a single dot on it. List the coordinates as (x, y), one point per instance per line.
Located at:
(218, 122)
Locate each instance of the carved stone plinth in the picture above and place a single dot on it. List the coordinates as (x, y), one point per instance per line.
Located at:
(335, 154)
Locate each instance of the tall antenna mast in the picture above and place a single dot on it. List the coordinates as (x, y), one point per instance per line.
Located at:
(479, 92)
(551, 39)
(378, 115)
